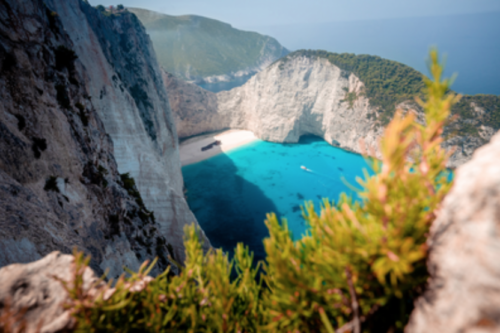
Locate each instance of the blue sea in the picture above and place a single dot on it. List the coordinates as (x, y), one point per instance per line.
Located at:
(230, 194)
(469, 41)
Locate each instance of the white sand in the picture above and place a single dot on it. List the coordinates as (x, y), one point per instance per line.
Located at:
(190, 150)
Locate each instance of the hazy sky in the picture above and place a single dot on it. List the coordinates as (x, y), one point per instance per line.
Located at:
(243, 13)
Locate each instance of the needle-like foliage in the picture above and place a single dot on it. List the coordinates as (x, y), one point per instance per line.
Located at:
(358, 256)
(202, 298)
(358, 262)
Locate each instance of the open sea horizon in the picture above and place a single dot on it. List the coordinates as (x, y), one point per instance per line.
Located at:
(469, 42)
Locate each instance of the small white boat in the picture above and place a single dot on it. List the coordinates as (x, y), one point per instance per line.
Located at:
(304, 168)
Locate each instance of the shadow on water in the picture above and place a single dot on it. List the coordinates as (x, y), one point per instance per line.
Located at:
(229, 208)
(231, 194)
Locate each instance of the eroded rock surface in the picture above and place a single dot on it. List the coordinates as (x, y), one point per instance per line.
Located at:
(37, 289)
(464, 288)
(294, 96)
(60, 184)
(195, 108)
(126, 86)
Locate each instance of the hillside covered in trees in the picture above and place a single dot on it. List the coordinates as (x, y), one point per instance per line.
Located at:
(195, 47)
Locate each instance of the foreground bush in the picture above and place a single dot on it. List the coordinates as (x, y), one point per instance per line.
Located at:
(359, 257)
(201, 298)
(358, 268)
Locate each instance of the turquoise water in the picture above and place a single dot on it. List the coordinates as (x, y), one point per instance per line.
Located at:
(231, 193)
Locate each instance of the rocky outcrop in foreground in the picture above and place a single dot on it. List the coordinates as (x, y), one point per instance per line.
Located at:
(36, 294)
(463, 293)
(81, 103)
(296, 95)
(37, 289)
(464, 288)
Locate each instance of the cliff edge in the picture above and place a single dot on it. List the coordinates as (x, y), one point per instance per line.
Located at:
(83, 112)
(315, 92)
(126, 86)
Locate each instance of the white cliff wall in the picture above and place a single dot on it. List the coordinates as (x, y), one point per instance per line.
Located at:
(280, 104)
(297, 95)
(126, 88)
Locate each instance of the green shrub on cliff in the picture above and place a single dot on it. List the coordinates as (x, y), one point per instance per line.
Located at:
(202, 298)
(488, 113)
(360, 257)
(360, 265)
(388, 83)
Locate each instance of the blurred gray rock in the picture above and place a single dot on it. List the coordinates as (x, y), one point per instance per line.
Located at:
(464, 288)
(35, 288)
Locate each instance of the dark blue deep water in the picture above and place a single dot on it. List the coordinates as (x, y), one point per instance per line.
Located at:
(231, 193)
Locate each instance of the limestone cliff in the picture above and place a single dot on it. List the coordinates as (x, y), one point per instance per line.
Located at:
(280, 104)
(298, 95)
(69, 77)
(128, 91)
(303, 96)
(195, 109)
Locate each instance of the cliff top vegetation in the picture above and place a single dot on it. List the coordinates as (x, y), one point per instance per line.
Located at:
(388, 83)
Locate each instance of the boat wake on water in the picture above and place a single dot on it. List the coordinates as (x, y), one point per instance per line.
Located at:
(316, 173)
(305, 169)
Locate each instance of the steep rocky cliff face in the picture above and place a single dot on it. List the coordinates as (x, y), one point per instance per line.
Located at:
(295, 96)
(464, 288)
(303, 96)
(195, 109)
(282, 103)
(60, 183)
(127, 90)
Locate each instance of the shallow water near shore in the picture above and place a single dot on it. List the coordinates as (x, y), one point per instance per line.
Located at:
(230, 194)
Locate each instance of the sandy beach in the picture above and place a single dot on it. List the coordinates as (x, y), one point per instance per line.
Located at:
(190, 150)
